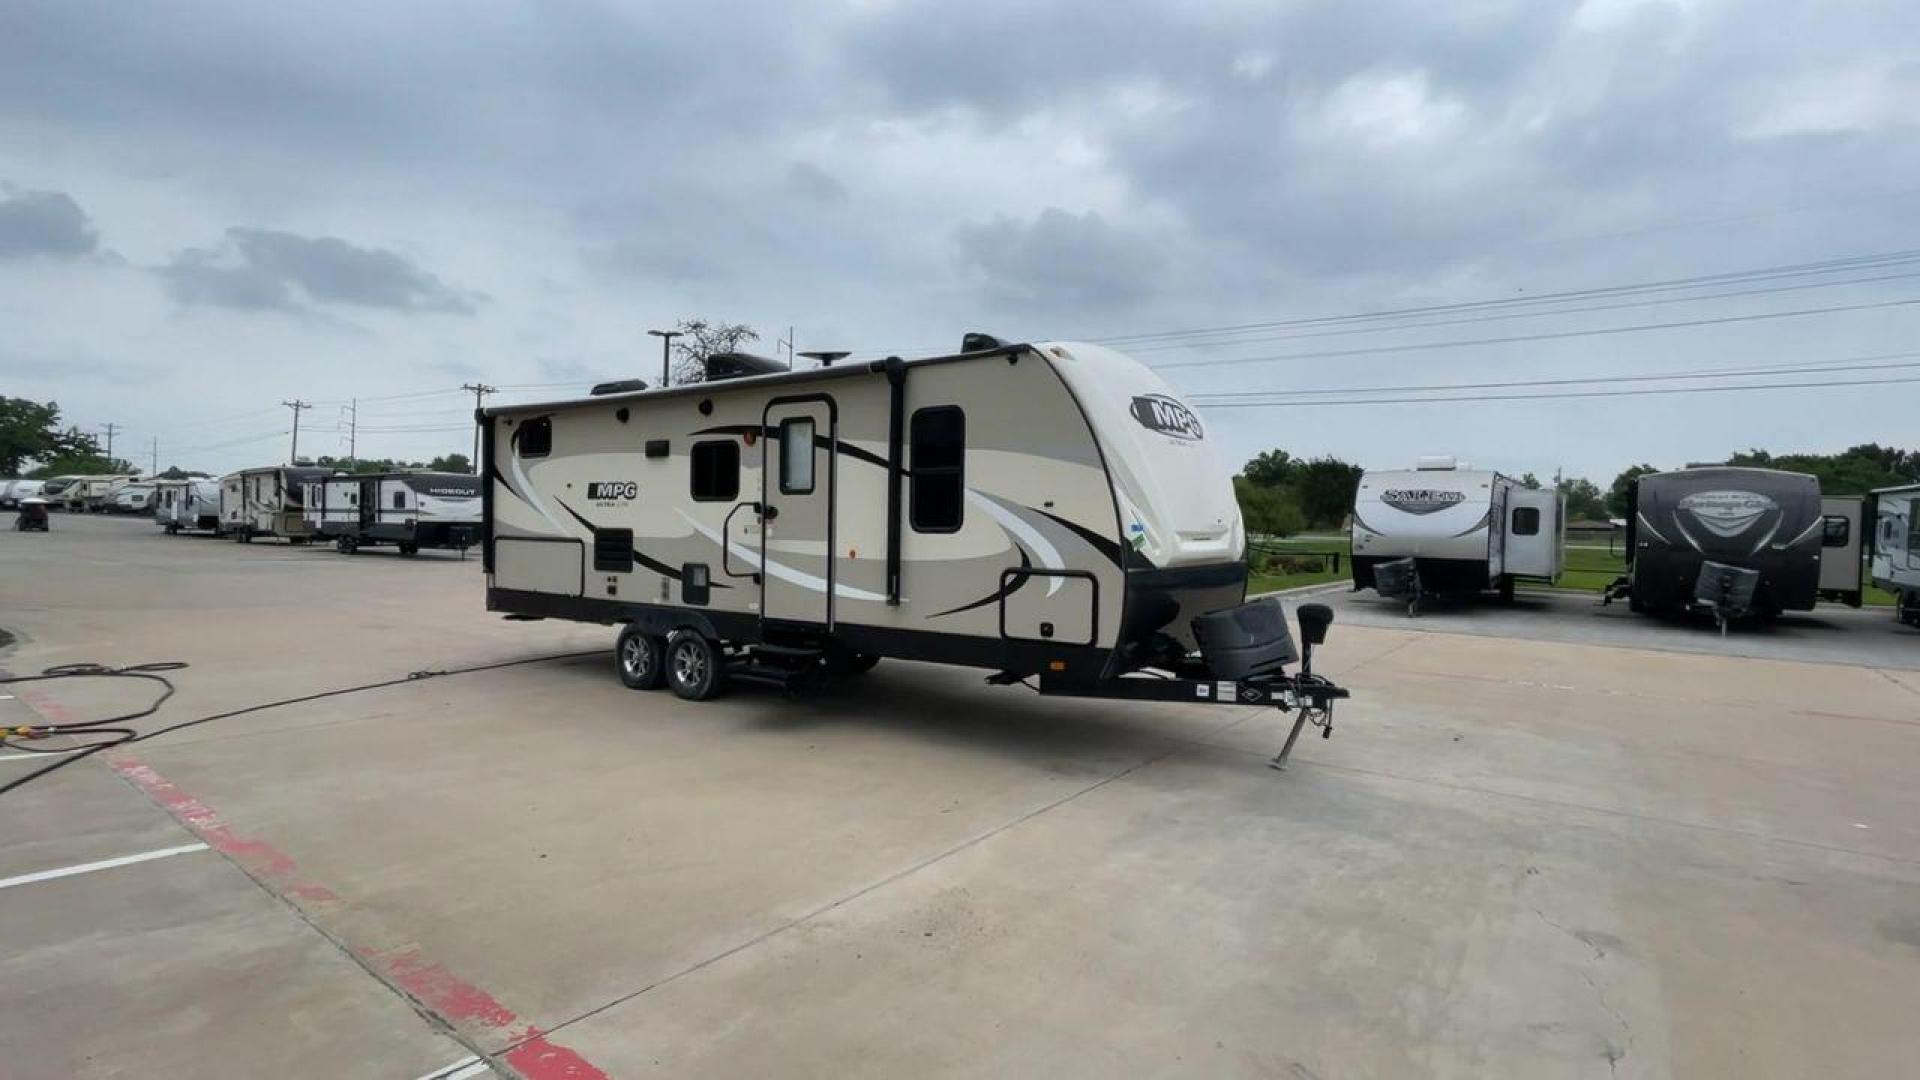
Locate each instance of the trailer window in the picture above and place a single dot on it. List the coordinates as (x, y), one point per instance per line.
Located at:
(716, 470)
(938, 493)
(1526, 521)
(796, 455)
(536, 437)
(399, 500)
(1837, 532)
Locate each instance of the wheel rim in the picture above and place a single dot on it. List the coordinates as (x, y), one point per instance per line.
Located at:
(690, 665)
(633, 657)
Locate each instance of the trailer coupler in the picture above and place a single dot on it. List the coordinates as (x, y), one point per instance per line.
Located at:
(1308, 697)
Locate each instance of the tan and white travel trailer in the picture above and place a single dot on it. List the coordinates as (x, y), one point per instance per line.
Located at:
(410, 510)
(1049, 510)
(187, 504)
(268, 501)
(1439, 529)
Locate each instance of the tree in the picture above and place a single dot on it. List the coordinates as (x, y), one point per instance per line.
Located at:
(1619, 504)
(1267, 511)
(451, 463)
(1584, 500)
(1855, 471)
(1274, 468)
(1327, 486)
(701, 338)
(1530, 482)
(30, 431)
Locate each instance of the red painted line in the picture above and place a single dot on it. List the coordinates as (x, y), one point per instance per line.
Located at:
(451, 999)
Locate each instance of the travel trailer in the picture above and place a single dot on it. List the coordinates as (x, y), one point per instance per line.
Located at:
(187, 504)
(410, 510)
(134, 497)
(1895, 516)
(268, 501)
(1732, 541)
(1441, 529)
(12, 491)
(1049, 512)
(93, 494)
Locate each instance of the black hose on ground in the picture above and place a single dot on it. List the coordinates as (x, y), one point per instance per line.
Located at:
(123, 736)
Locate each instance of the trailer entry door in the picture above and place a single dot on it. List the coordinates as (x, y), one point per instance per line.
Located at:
(796, 525)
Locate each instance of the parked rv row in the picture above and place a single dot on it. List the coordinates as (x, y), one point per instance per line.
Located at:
(302, 504)
(119, 493)
(1732, 542)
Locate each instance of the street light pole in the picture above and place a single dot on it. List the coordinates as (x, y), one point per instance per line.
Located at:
(298, 407)
(666, 353)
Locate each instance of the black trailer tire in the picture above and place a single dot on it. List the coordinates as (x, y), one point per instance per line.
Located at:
(409, 549)
(640, 659)
(696, 669)
(1506, 588)
(1907, 607)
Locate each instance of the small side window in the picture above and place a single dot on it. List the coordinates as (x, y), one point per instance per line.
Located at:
(535, 438)
(1836, 532)
(716, 470)
(796, 456)
(399, 500)
(937, 495)
(1526, 521)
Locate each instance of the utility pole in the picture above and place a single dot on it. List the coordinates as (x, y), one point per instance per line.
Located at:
(666, 354)
(480, 390)
(155, 471)
(353, 429)
(111, 429)
(298, 407)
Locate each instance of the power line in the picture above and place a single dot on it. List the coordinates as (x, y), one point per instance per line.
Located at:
(1548, 336)
(1475, 398)
(1856, 364)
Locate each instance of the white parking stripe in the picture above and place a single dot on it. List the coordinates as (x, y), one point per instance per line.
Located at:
(103, 864)
(464, 1069)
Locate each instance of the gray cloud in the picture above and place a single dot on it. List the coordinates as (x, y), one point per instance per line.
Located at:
(43, 223)
(1059, 262)
(815, 183)
(258, 269)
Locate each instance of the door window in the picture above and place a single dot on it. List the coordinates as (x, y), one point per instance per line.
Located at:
(1836, 532)
(1526, 521)
(796, 455)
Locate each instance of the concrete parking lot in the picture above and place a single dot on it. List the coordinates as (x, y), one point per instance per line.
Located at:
(1529, 850)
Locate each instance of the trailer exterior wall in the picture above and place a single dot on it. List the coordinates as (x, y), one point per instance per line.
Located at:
(1761, 519)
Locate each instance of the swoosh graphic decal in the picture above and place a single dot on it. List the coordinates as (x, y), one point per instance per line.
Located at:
(820, 442)
(1648, 525)
(1808, 531)
(1486, 519)
(999, 594)
(1119, 556)
(1777, 522)
(1023, 532)
(787, 573)
(526, 486)
(642, 558)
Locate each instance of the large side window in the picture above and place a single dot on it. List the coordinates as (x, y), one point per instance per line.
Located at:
(1526, 521)
(536, 437)
(716, 470)
(937, 496)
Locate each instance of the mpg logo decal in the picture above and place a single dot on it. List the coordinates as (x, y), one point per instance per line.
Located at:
(603, 491)
(1158, 412)
(1727, 513)
(1421, 500)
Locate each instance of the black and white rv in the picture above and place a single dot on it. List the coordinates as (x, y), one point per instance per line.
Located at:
(410, 510)
(1895, 514)
(268, 501)
(180, 505)
(1439, 529)
(1735, 542)
(1048, 511)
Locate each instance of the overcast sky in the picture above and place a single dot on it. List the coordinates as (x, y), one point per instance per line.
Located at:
(208, 208)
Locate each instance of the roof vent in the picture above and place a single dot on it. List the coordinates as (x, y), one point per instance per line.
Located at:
(618, 386)
(1437, 463)
(975, 341)
(739, 365)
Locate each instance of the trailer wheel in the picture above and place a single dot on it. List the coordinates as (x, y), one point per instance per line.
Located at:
(696, 670)
(409, 549)
(1506, 588)
(1907, 608)
(640, 658)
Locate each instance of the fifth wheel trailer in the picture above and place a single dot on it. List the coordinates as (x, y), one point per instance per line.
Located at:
(1441, 529)
(410, 510)
(1734, 541)
(1042, 511)
(269, 501)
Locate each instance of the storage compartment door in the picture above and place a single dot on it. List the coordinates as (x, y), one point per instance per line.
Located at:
(1057, 606)
(1533, 532)
(555, 566)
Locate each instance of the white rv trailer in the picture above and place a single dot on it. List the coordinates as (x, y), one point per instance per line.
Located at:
(1895, 516)
(411, 510)
(187, 504)
(268, 501)
(1049, 510)
(1438, 528)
